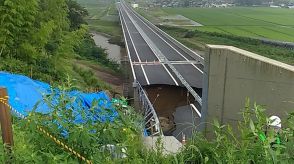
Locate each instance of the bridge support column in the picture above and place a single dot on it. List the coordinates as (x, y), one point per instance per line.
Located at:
(136, 98)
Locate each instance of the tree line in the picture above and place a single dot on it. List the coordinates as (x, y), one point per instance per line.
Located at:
(40, 33)
(261, 2)
(35, 29)
(238, 2)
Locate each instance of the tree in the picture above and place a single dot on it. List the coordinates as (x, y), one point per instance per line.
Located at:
(40, 32)
(186, 3)
(76, 14)
(16, 25)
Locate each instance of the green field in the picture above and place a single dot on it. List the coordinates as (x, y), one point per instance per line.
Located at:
(256, 22)
(103, 16)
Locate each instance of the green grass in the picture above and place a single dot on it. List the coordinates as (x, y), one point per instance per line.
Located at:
(112, 10)
(107, 27)
(275, 24)
(95, 8)
(87, 138)
(225, 145)
(199, 39)
(227, 27)
(103, 16)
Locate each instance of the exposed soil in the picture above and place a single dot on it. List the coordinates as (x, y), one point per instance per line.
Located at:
(112, 78)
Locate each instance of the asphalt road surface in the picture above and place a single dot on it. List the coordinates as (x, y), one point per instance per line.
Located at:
(144, 43)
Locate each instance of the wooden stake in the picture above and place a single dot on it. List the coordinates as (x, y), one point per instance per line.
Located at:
(5, 120)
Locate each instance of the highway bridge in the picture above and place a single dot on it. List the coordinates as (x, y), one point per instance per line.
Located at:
(156, 58)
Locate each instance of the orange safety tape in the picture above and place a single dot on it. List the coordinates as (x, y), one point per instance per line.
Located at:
(57, 141)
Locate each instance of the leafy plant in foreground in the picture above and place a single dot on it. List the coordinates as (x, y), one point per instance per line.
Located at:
(87, 137)
(242, 145)
(84, 129)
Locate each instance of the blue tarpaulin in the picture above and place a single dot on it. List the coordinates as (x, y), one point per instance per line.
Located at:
(24, 93)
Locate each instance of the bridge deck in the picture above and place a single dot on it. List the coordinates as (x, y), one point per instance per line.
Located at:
(148, 68)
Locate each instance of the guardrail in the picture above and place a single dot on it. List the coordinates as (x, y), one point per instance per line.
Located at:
(152, 123)
(193, 54)
(128, 51)
(163, 59)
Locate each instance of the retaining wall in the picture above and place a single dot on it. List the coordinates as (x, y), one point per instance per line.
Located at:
(231, 75)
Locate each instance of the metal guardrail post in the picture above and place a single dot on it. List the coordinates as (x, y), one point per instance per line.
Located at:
(150, 115)
(151, 119)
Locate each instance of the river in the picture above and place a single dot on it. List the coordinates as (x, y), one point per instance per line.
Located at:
(113, 50)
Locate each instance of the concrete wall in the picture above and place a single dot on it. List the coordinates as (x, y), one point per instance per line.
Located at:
(231, 75)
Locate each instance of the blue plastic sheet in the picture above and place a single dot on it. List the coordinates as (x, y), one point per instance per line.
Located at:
(24, 93)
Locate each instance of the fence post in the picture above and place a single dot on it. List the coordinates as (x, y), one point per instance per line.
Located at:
(5, 120)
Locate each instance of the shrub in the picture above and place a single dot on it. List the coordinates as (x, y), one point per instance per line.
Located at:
(90, 79)
(89, 136)
(189, 34)
(86, 137)
(243, 145)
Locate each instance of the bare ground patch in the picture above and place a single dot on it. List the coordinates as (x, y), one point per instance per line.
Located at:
(178, 20)
(108, 76)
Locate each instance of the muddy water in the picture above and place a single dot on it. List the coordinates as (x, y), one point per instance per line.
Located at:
(114, 51)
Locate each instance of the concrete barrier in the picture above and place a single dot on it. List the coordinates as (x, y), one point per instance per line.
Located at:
(170, 144)
(231, 75)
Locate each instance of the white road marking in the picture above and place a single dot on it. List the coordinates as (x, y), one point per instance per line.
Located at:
(199, 56)
(146, 78)
(196, 110)
(161, 62)
(165, 41)
(161, 56)
(130, 60)
(151, 47)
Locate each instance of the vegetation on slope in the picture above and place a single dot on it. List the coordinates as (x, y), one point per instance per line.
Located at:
(243, 145)
(125, 133)
(39, 37)
(197, 40)
(86, 137)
